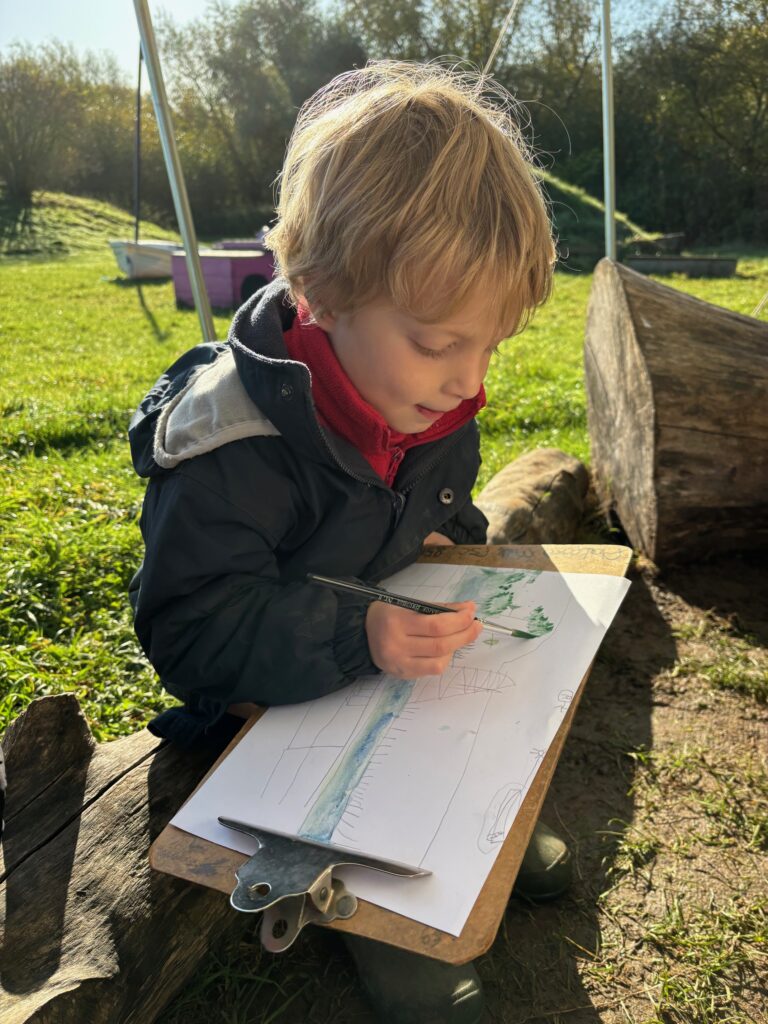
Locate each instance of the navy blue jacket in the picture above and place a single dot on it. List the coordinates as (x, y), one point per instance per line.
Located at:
(231, 526)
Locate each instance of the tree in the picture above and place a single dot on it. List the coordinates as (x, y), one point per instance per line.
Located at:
(692, 103)
(237, 79)
(41, 92)
(548, 57)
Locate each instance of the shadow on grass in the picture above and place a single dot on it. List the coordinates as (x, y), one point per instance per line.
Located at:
(24, 233)
(532, 971)
(159, 334)
(83, 433)
(731, 586)
(15, 220)
(138, 284)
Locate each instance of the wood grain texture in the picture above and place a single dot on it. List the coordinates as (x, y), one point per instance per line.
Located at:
(89, 932)
(677, 403)
(198, 860)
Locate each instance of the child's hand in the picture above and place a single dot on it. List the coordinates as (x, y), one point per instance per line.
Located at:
(438, 538)
(408, 644)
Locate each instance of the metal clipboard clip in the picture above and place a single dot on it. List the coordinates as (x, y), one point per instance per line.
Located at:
(291, 881)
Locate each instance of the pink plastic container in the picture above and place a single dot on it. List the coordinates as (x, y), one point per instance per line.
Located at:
(231, 276)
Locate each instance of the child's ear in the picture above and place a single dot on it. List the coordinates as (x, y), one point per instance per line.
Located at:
(326, 321)
(321, 316)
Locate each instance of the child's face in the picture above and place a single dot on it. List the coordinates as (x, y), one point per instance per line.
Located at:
(412, 373)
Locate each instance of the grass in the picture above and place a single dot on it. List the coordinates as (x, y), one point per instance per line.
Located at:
(59, 225)
(702, 955)
(694, 948)
(80, 347)
(729, 803)
(721, 652)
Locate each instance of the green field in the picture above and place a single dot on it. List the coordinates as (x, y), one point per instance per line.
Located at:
(657, 930)
(80, 346)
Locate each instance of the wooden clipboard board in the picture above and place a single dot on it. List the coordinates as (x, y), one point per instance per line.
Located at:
(197, 860)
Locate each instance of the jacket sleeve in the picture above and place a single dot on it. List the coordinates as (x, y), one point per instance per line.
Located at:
(214, 617)
(468, 526)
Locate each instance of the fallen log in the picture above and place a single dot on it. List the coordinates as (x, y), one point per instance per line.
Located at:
(537, 499)
(89, 932)
(677, 402)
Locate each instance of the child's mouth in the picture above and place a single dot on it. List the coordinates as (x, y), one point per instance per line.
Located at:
(429, 414)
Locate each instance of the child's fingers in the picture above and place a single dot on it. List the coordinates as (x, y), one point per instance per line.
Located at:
(409, 644)
(443, 646)
(441, 624)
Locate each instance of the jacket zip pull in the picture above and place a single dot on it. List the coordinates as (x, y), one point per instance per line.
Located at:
(398, 504)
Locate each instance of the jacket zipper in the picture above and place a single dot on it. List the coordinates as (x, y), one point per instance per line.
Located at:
(428, 469)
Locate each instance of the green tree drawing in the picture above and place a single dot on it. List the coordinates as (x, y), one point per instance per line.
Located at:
(538, 623)
(502, 598)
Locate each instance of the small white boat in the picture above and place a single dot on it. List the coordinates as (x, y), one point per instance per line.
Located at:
(145, 258)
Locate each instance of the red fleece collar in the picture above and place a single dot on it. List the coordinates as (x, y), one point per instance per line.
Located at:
(340, 406)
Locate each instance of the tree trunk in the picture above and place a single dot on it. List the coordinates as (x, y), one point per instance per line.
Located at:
(677, 393)
(89, 932)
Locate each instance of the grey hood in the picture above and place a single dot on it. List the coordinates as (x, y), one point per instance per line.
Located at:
(212, 409)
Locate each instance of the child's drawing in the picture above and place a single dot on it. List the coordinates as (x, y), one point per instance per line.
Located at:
(382, 719)
(429, 771)
(503, 807)
(331, 801)
(497, 594)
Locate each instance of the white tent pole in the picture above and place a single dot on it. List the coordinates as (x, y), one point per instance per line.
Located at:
(173, 166)
(609, 164)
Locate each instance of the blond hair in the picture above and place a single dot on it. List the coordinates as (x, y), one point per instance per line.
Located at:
(411, 183)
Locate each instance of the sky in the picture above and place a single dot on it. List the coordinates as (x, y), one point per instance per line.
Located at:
(110, 25)
(96, 25)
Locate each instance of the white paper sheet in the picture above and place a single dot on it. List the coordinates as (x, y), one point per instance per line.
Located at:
(432, 771)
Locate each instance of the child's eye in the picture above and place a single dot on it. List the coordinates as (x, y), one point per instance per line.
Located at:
(431, 353)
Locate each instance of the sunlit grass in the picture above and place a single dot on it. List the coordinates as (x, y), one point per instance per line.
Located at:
(80, 346)
(58, 225)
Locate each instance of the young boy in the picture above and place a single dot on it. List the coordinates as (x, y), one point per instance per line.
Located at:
(334, 432)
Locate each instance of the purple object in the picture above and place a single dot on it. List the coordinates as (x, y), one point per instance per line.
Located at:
(239, 243)
(231, 275)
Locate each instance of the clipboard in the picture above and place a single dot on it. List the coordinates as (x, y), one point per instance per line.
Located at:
(188, 857)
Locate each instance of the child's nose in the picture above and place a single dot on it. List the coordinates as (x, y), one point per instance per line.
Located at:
(467, 377)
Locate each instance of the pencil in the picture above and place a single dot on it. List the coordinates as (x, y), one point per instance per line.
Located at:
(411, 603)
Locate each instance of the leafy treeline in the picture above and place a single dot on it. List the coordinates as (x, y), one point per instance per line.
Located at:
(691, 103)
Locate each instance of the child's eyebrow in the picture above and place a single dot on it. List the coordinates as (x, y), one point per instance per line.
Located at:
(445, 331)
(456, 335)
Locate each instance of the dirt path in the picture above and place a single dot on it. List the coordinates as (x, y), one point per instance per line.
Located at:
(663, 792)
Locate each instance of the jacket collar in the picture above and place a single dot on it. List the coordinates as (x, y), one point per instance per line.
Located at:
(282, 388)
(343, 409)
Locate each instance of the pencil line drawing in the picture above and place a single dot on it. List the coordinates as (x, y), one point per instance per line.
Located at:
(344, 752)
(503, 807)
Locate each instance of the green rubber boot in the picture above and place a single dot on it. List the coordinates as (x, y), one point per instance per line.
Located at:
(546, 871)
(405, 988)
